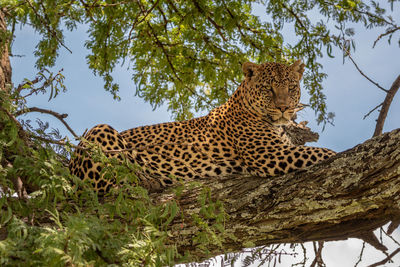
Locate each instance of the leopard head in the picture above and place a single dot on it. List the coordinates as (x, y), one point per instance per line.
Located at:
(272, 90)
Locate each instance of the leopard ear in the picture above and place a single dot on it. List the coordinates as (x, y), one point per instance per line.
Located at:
(249, 69)
(298, 67)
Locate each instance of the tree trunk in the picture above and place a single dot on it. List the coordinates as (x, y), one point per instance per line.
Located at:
(6, 85)
(5, 67)
(346, 196)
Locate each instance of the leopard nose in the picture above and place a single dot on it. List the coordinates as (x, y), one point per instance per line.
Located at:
(282, 108)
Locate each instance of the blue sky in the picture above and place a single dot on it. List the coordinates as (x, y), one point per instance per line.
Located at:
(349, 95)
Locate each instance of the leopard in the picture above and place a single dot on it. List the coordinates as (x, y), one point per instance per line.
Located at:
(242, 136)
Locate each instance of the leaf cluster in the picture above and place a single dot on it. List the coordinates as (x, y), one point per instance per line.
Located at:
(210, 221)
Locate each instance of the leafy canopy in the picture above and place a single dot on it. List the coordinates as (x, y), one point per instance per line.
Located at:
(188, 54)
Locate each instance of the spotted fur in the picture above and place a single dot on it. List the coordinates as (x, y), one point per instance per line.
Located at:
(241, 136)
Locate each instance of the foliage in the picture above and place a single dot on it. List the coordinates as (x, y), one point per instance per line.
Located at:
(63, 222)
(188, 54)
(210, 221)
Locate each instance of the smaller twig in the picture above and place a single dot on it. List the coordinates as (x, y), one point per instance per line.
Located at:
(47, 82)
(361, 254)
(369, 113)
(359, 70)
(391, 237)
(388, 258)
(298, 20)
(318, 254)
(385, 106)
(33, 91)
(391, 31)
(303, 262)
(375, 16)
(6, 11)
(21, 86)
(56, 142)
(59, 116)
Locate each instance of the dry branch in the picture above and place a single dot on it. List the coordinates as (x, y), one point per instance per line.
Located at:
(347, 52)
(346, 196)
(59, 116)
(388, 258)
(385, 106)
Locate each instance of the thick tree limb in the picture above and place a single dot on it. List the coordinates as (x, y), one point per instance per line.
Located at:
(346, 196)
(5, 66)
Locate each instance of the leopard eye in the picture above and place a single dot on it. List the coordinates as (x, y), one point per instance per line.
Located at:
(268, 91)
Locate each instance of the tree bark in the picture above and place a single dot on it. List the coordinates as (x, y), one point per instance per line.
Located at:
(385, 106)
(6, 85)
(5, 66)
(348, 195)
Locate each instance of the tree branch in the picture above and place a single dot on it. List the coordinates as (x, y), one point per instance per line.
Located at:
(55, 142)
(361, 255)
(239, 27)
(137, 21)
(386, 259)
(298, 20)
(345, 50)
(171, 65)
(30, 83)
(372, 110)
(346, 196)
(47, 25)
(385, 106)
(388, 32)
(59, 116)
(216, 25)
(318, 254)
